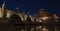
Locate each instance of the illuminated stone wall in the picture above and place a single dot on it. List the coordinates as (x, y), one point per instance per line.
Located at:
(9, 13)
(24, 16)
(1, 15)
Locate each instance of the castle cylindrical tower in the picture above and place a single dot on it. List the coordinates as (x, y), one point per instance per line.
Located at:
(42, 14)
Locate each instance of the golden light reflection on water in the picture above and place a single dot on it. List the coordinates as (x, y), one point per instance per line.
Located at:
(36, 28)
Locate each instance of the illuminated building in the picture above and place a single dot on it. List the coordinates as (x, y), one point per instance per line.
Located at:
(44, 29)
(43, 15)
(40, 16)
(9, 13)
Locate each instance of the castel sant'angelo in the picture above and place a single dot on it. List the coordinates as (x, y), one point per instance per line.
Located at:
(39, 16)
(8, 15)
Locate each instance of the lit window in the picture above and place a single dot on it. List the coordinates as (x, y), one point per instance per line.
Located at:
(44, 29)
(32, 29)
(40, 27)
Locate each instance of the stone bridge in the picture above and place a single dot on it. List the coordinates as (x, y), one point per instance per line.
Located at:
(9, 13)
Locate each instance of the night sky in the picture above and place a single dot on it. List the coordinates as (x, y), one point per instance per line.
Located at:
(32, 6)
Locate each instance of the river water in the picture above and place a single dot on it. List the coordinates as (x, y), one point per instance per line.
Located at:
(6, 27)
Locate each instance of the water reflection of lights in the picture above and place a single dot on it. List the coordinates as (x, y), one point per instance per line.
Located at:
(32, 29)
(38, 28)
(44, 29)
(23, 30)
(56, 29)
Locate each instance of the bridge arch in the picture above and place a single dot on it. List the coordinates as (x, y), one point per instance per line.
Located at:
(15, 19)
